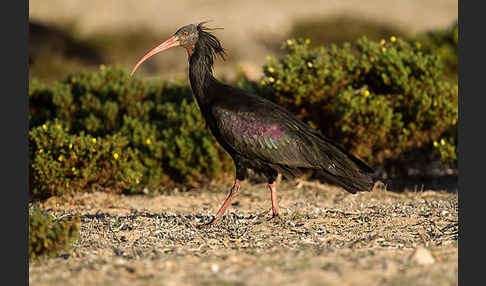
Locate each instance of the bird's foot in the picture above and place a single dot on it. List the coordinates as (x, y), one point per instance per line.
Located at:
(209, 224)
(275, 218)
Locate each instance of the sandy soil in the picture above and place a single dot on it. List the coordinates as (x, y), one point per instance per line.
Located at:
(244, 22)
(326, 237)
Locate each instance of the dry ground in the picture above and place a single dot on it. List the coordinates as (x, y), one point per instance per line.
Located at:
(326, 237)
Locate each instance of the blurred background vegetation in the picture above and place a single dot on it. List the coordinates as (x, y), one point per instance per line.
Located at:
(55, 50)
(65, 37)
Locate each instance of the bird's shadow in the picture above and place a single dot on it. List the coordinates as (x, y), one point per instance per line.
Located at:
(197, 221)
(419, 183)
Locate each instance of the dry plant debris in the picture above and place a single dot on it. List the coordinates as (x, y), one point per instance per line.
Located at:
(326, 237)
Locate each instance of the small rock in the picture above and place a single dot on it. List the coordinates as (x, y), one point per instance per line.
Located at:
(214, 268)
(423, 256)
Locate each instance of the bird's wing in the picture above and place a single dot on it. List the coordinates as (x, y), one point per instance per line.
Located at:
(256, 137)
(274, 135)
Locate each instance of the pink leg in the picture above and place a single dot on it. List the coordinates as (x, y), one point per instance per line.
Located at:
(273, 194)
(233, 191)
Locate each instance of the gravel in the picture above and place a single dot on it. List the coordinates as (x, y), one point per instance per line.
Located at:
(325, 237)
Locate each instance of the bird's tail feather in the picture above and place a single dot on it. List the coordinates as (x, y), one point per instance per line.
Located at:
(352, 184)
(347, 170)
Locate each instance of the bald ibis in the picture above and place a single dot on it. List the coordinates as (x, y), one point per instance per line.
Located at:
(257, 133)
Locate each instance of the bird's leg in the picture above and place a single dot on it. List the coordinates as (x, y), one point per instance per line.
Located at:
(233, 191)
(273, 193)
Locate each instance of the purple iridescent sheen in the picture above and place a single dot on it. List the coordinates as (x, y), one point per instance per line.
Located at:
(252, 128)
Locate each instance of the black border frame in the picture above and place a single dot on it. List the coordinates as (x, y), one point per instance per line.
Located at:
(15, 160)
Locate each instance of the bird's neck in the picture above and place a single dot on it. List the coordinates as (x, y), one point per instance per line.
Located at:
(201, 75)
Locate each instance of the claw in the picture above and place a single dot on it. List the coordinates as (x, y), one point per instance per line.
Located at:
(213, 222)
(275, 218)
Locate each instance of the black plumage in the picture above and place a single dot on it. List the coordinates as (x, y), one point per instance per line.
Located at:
(257, 133)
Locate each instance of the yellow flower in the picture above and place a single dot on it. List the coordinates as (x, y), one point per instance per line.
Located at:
(71, 146)
(262, 82)
(382, 42)
(383, 49)
(307, 41)
(41, 150)
(115, 155)
(366, 93)
(44, 126)
(271, 79)
(60, 158)
(393, 39)
(93, 140)
(59, 126)
(289, 42)
(102, 67)
(137, 180)
(436, 144)
(271, 69)
(309, 64)
(442, 142)
(418, 45)
(73, 169)
(148, 141)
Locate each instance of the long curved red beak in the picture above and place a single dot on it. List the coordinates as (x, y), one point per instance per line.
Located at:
(171, 42)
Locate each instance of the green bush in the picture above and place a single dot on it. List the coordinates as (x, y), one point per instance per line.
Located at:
(41, 107)
(340, 29)
(446, 146)
(445, 43)
(48, 236)
(62, 162)
(379, 99)
(155, 127)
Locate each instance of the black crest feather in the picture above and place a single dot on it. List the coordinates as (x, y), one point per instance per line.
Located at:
(208, 44)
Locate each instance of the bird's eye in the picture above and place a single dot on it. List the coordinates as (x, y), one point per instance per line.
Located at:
(185, 33)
